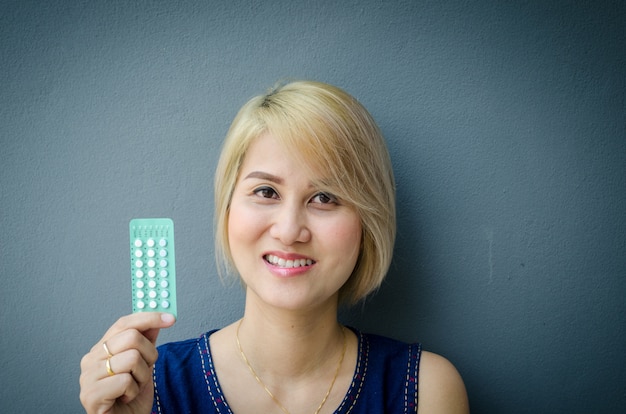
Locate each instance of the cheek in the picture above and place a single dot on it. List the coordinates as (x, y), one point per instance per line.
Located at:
(243, 226)
(346, 238)
(236, 227)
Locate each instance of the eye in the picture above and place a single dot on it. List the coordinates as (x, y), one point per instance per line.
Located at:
(266, 192)
(324, 198)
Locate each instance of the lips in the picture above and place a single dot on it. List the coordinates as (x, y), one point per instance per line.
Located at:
(289, 263)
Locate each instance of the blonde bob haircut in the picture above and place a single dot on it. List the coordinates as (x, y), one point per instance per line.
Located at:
(337, 143)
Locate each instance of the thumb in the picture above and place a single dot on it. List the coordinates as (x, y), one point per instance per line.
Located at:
(152, 334)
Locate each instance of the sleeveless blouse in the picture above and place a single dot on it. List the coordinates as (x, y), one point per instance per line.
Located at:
(385, 379)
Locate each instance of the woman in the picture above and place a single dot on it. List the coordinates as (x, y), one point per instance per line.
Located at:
(305, 214)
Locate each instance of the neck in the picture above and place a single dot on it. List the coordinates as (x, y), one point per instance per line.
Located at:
(283, 343)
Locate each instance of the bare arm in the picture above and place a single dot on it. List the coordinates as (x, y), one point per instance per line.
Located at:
(441, 389)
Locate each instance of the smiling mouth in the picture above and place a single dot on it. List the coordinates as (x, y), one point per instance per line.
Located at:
(287, 264)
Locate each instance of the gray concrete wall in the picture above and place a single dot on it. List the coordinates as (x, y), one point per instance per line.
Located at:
(505, 122)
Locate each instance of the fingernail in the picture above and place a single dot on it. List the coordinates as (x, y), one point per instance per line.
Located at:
(168, 318)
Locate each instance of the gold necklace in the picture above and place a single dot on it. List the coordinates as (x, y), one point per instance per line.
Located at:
(256, 377)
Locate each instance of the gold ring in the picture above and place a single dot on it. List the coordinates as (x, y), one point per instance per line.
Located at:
(106, 349)
(108, 365)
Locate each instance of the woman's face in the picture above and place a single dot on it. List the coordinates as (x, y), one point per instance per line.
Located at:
(293, 244)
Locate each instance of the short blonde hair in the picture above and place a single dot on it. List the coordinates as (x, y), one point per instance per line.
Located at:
(331, 133)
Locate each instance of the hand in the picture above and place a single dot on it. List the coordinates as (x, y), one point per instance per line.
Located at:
(121, 381)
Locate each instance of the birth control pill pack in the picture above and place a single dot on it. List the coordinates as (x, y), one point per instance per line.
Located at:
(153, 265)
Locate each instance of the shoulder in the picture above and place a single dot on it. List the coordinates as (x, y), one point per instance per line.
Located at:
(384, 345)
(184, 368)
(388, 355)
(441, 387)
(181, 352)
(186, 343)
(178, 345)
(171, 349)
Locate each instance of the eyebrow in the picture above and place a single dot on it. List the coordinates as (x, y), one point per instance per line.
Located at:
(261, 175)
(265, 176)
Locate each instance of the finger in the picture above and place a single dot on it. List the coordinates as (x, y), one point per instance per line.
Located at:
(121, 376)
(128, 362)
(100, 396)
(149, 323)
(130, 339)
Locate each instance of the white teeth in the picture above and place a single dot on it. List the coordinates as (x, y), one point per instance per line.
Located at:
(277, 261)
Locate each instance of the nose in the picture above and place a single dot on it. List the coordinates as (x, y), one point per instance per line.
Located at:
(290, 225)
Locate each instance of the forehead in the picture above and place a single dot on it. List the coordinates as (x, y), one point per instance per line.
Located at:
(268, 157)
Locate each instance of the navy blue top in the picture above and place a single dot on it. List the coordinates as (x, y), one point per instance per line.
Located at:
(385, 379)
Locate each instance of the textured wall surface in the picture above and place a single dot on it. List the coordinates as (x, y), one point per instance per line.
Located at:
(505, 122)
